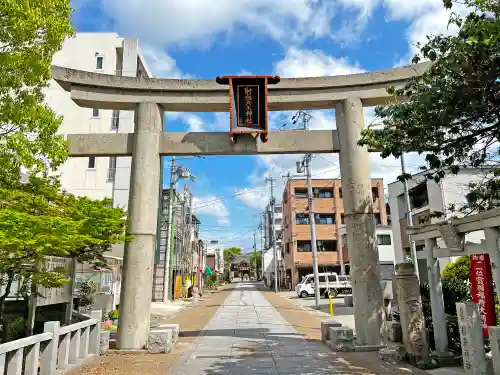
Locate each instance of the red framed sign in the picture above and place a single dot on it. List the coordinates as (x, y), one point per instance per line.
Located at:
(248, 108)
(482, 289)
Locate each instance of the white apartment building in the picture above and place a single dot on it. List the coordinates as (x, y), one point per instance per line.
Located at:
(428, 197)
(268, 256)
(107, 53)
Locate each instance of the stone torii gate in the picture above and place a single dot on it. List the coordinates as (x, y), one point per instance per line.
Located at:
(150, 97)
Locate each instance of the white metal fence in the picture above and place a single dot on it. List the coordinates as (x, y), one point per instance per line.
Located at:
(57, 349)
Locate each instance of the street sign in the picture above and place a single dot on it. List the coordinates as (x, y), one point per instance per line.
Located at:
(248, 110)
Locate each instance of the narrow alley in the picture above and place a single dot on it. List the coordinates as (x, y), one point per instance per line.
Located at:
(249, 336)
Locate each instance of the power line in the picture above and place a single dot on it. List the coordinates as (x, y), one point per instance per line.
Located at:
(218, 200)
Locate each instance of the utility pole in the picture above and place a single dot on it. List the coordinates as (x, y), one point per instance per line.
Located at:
(255, 254)
(312, 224)
(409, 217)
(167, 290)
(261, 245)
(305, 117)
(271, 239)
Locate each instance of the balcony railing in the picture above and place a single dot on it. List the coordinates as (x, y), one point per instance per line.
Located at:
(118, 72)
(115, 123)
(111, 174)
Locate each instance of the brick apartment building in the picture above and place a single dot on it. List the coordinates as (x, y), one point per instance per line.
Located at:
(328, 208)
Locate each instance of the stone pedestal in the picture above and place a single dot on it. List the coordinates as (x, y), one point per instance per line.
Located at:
(325, 328)
(358, 211)
(104, 337)
(494, 333)
(341, 339)
(471, 338)
(348, 301)
(160, 341)
(394, 332)
(411, 313)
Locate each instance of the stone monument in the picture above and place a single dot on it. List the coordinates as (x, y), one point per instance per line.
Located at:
(411, 313)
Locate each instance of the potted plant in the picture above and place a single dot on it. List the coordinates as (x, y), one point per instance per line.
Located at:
(114, 316)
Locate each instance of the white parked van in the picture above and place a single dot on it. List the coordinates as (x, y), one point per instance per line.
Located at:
(330, 284)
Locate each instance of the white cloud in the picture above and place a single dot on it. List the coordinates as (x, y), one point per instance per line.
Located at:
(425, 17)
(195, 123)
(160, 64)
(211, 206)
(188, 22)
(300, 63)
(313, 63)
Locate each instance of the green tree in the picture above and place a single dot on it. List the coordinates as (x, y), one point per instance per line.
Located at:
(31, 33)
(38, 220)
(256, 261)
(230, 254)
(453, 110)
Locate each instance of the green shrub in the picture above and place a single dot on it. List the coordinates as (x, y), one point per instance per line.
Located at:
(114, 314)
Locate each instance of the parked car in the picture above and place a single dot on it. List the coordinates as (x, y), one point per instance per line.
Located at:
(330, 284)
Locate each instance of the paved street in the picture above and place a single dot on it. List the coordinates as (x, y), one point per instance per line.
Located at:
(249, 336)
(343, 314)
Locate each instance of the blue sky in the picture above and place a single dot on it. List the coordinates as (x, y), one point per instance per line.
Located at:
(291, 38)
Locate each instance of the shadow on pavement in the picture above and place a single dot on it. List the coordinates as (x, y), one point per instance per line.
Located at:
(260, 351)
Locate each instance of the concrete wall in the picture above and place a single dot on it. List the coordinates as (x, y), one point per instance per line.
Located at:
(385, 252)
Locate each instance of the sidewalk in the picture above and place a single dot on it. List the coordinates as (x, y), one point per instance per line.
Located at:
(191, 319)
(249, 336)
(309, 325)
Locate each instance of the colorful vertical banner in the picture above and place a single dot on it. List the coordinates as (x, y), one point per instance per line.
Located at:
(482, 289)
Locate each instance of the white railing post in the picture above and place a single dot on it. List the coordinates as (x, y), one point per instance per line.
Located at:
(31, 362)
(15, 362)
(74, 346)
(84, 343)
(95, 332)
(63, 352)
(2, 363)
(48, 361)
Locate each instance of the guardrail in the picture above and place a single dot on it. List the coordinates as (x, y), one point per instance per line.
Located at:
(57, 349)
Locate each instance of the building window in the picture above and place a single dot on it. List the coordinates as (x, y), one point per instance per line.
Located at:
(99, 62)
(300, 193)
(323, 193)
(378, 220)
(115, 119)
(91, 163)
(340, 192)
(384, 239)
(287, 248)
(95, 112)
(342, 219)
(112, 168)
(277, 210)
(302, 219)
(326, 245)
(304, 246)
(277, 221)
(375, 195)
(324, 219)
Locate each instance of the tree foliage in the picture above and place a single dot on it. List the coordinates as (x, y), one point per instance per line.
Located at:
(256, 260)
(452, 114)
(31, 33)
(37, 220)
(230, 254)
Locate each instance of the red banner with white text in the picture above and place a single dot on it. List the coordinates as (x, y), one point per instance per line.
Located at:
(482, 289)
